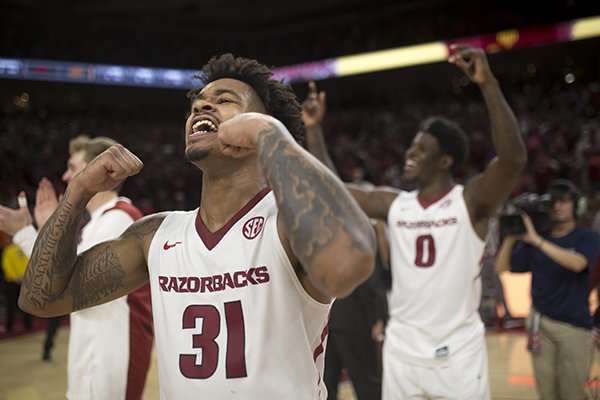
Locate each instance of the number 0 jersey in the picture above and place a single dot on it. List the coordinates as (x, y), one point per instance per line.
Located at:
(436, 282)
(232, 320)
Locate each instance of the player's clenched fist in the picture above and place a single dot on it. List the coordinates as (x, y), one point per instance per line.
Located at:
(109, 169)
(239, 135)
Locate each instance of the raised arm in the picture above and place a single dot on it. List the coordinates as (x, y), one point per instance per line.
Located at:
(46, 202)
(57, 280)
(374, 201)
(487, 191)
(328, 234)
(313, 112)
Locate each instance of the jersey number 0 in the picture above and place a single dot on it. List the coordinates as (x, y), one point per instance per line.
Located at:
(425, 256)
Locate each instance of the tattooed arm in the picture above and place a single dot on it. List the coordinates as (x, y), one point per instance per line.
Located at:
(320, 223)
(57, 280)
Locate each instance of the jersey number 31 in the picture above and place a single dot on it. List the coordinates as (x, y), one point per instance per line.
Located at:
(235, 357)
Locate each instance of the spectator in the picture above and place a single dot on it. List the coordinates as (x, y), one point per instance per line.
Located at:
(14, 262)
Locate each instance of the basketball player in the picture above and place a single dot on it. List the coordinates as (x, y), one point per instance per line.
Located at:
(241, 286)
(110, 344)
(434, 345)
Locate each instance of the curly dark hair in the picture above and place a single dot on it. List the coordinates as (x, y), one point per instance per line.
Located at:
(278, 98)
(451, 139)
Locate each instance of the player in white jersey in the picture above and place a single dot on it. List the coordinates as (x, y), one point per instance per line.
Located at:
(242, 285)
(425, 240)
(434, 346)
(232, 281)
(110, 344)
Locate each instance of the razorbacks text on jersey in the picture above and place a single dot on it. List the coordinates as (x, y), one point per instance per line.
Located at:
(436, 283)
(231, 317)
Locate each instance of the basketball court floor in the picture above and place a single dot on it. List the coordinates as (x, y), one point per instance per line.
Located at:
(24, 376)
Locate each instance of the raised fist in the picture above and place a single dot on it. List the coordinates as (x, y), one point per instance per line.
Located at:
(109, 169)
(238, 136)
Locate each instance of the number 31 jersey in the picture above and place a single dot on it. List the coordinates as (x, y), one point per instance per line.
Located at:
(232, 320)
(436, 281)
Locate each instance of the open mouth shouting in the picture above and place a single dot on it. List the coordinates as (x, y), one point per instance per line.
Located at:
(203, 126)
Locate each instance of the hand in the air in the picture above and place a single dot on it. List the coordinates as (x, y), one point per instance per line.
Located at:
(11, 220)
(45, 202)
(108, 170)
(472, 61)
(314, 107)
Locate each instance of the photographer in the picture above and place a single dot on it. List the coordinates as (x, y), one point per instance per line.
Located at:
(560, 262)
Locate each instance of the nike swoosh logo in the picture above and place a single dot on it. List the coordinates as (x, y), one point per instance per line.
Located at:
(167, 246)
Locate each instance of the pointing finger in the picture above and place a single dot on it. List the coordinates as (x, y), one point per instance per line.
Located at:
(312, 90)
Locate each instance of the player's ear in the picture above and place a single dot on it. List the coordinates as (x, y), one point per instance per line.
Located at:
(446, 161)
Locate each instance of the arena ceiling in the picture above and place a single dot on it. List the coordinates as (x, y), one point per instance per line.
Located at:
(221, 19)
(214, 15)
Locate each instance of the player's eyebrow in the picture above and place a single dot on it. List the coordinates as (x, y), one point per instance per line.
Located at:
(217, 92)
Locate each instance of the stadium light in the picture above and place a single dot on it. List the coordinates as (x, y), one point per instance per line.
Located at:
(76, 72)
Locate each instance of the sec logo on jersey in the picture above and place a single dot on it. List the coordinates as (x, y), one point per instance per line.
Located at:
(252, 227)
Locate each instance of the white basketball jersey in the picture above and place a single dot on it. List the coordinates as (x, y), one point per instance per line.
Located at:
(99, 341)
(232, 320)
(436, 289)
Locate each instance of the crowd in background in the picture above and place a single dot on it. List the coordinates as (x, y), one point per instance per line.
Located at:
(559, 119)
(561, 127)
(560, 123)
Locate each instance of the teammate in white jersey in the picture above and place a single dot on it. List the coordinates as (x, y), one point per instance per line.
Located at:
(434, 346)
(242, 285)
(110, 344)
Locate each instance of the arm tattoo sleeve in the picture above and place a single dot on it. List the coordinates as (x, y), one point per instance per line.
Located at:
(100, 271)
(55, 266)
(102, 276)
(313, 203)
(53, 257)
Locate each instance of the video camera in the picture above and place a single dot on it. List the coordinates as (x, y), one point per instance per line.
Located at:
(535, 205)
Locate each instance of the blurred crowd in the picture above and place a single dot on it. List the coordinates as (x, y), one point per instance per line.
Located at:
(555, 95)
(35, 145)
(560, 123)
(559, 120)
